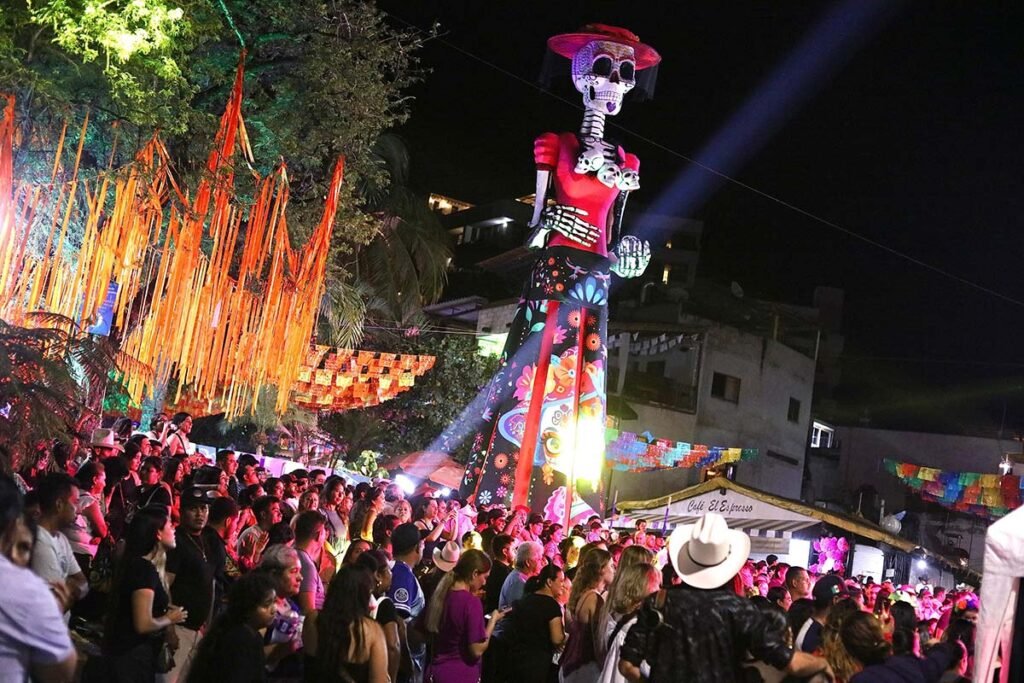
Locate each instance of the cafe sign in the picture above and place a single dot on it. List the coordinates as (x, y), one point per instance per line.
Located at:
(731, 505)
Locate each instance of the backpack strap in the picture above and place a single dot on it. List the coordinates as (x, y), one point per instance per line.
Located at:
(619, 626)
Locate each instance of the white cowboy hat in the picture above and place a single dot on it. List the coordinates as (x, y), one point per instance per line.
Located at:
(447, 557)
(104, 438)
(708, 554)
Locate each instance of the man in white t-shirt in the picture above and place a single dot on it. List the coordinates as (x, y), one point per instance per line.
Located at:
(52, 558)
(33, 637)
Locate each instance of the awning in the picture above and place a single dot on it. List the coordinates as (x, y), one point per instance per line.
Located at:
(762, 514)
(734, 502)
(432, 466)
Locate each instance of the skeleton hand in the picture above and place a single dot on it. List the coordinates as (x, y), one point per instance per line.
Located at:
(632, 257)
(567, 221)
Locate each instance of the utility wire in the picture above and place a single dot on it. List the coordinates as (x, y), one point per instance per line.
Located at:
(725, 176)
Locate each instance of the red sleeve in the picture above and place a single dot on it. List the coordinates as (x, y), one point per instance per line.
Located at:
(545, 151)
(631, 161)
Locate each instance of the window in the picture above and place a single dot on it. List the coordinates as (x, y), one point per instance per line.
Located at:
(656, 367)
(794, 410)
(821, 436)
(725, 387)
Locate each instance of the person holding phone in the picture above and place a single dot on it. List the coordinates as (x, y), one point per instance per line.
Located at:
(141, 612)
(456, 621)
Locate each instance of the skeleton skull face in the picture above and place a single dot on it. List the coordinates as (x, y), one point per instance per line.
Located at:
(604, 71)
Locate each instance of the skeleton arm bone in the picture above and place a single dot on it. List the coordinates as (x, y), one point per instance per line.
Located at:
(615, 220)
(538, 236)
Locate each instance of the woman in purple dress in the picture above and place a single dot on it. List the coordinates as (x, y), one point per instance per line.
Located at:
(456, 621)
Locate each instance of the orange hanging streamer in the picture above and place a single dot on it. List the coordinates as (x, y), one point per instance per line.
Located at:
(181, 311)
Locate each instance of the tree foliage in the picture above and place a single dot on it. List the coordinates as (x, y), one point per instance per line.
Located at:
(50, 374)
(323, 80)
(402, 269)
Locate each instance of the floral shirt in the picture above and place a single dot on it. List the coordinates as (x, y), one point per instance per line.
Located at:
(703, 637)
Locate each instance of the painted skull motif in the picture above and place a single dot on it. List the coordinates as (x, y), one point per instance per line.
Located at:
(604, 71)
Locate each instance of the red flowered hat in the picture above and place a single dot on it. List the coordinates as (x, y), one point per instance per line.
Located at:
(568, 44)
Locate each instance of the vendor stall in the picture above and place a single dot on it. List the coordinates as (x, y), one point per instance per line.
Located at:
(796, 532)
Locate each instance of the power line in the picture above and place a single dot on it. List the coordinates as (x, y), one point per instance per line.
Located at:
(724, 176)
(935, 361)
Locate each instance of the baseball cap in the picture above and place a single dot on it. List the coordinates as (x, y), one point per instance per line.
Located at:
(404, 538)
(827, 588)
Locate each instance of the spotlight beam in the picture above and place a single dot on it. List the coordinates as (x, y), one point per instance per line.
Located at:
(826, 47)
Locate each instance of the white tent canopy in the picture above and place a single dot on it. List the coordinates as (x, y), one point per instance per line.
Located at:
(1004, 567)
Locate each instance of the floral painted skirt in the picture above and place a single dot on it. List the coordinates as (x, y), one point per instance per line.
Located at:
(544, 418)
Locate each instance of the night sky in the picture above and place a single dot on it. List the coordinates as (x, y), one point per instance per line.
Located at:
(897, 121)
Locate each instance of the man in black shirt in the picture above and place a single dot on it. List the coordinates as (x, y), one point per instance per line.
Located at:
(501, 553)
(219, 528)
(495, 526)
(827, 591)
(702, 631)
(190, 572)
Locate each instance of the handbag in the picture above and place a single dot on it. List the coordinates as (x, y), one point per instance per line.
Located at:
(101, 569)
(164, 656)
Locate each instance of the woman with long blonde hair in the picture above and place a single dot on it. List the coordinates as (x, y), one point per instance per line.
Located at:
(631, 556)
(843, 665)
(631, 587)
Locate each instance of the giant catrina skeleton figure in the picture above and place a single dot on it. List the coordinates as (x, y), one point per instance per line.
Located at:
(545, 411)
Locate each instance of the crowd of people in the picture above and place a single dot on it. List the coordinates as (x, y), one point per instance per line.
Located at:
(134, 559)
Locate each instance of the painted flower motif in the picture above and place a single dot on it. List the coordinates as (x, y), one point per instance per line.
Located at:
(564, 372)
(575, 317)
(594, 377)
(501, 492)
(559, 334)
(485, 497)
(524, 385)
(500, 461)
(505, 479)
(591, 321)
(589, 291)
(559, 287)
(593, 342)
(551, 261)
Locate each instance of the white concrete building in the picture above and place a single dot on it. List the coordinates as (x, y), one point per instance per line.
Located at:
(845, 467)
(725, 388)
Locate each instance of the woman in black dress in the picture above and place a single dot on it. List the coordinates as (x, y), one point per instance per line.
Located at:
(140, 611)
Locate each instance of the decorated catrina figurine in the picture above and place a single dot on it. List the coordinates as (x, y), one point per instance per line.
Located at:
(545, 408)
